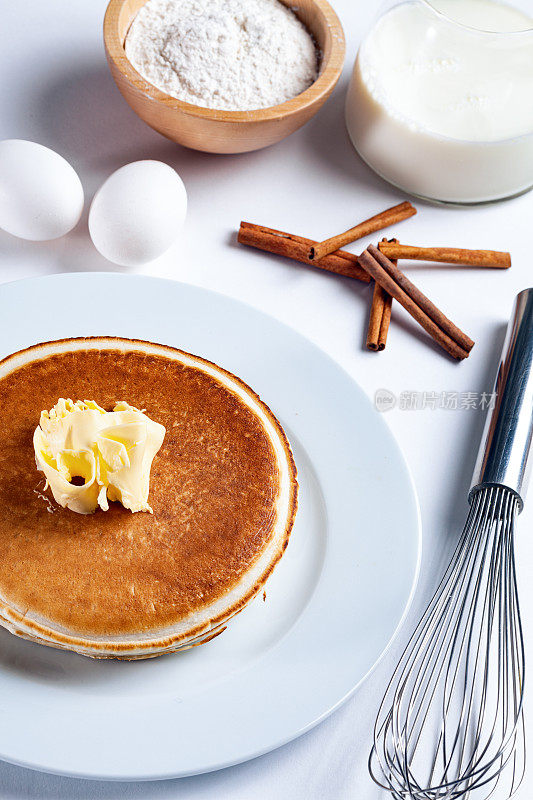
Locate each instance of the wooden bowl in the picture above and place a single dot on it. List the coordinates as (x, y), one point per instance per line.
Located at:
(216, 131)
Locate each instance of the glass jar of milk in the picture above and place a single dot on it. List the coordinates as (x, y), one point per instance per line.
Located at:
(441, 99)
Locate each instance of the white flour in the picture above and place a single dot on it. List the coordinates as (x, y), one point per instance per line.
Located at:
(225, 54)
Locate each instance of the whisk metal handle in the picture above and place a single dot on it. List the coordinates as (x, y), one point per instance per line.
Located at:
(504, 453)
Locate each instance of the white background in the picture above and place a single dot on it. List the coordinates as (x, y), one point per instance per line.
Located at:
(56, 89)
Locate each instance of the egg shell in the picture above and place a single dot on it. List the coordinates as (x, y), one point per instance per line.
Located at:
(138, 213)
(41, 196)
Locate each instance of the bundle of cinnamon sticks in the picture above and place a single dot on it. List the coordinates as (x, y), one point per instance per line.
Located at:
(380, 264)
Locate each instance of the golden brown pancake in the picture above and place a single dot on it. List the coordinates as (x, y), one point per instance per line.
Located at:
(223, 491)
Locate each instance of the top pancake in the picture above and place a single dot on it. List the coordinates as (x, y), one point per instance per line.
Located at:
(213, 489)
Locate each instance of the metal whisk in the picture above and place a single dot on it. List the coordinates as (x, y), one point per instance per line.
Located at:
(451, 722)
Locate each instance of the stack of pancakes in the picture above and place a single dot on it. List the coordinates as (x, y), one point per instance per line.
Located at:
(223, 490)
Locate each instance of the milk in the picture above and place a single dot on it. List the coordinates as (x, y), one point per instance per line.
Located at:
(441, 99)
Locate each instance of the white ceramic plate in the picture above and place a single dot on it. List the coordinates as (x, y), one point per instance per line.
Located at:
(332, 605)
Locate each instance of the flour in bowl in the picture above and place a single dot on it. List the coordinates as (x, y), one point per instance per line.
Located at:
(235, 55)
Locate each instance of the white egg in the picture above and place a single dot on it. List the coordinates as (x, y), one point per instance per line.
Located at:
(41, 196)
(138, 213)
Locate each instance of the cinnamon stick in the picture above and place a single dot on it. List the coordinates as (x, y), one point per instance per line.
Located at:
(390, 278)
(297, 248)
(448, 255)
(383, 220)
(380, 314)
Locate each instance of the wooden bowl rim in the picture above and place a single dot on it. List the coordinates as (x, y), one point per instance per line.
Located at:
(329, 75)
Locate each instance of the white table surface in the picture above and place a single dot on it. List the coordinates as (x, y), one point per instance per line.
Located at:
(56, 89)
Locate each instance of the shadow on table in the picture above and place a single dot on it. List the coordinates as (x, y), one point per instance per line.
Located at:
(473, 430)
(89, 122)
(454, 506)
